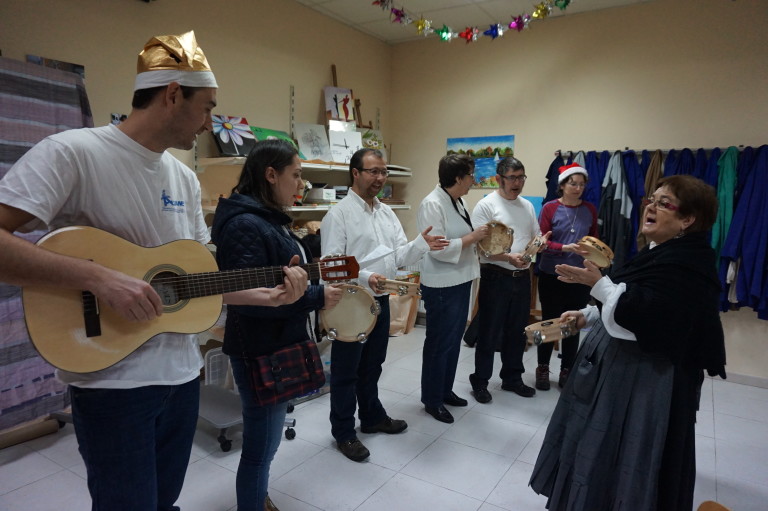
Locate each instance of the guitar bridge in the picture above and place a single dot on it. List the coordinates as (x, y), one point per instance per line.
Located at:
(91, 315)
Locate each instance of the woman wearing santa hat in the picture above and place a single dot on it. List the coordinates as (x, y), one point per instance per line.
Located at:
(569, 218)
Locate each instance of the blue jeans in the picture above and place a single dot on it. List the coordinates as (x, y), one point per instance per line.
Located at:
(355, 373)
(262, 432)
(135, 443)
(503, 308)
(447, 309)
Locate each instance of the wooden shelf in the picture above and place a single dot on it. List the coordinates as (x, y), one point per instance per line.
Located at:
(394, 170)
(326, 207)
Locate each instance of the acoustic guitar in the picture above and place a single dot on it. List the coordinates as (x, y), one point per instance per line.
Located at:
(72, 332)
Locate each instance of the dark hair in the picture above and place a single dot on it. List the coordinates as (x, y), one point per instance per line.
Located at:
(143, 97)
(356, 162)
(454, 166)
(697, 199)
(274, 153)
(568, 179)
(509, 162)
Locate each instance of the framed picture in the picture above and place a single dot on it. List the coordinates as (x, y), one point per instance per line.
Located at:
(487, 151)
(313, 141)
(339, 103)
(267, 134)
(58, 64)
(344, 144)
(232, 135)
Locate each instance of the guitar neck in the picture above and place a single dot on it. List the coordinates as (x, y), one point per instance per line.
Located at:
(196, 285)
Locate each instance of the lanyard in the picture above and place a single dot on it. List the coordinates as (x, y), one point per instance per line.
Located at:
(465, 215)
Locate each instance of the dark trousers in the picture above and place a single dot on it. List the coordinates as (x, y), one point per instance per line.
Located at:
(135, 443)
(355, 372)
(504, 305)
(447, 309)
(557, 297)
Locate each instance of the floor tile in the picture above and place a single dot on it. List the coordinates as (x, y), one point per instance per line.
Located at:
(20, 466)
(412, 494)
(460, 468)
(62, 490)
(492, 434)
(207, 487)
(513, 492)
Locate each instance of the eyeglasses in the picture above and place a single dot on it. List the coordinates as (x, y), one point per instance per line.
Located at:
(470, 175)
(521, 179)
(576, 185)
(377, 172)
(660, 203)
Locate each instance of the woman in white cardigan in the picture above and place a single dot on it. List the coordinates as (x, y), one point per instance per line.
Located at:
(446, 282)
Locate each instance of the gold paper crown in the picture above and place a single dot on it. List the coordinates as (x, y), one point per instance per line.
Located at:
(173, 58)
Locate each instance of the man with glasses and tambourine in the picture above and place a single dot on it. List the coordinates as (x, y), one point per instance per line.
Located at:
(362, 226)
(505, 284)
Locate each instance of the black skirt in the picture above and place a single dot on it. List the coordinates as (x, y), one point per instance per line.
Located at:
(606, 439)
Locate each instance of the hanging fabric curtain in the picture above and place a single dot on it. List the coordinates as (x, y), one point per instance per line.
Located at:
(615, 210)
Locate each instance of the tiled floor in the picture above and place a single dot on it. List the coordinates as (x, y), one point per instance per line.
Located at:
(481, 462)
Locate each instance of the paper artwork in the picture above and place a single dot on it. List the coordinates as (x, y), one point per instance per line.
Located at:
(268, 134)
(313, 141)
(373, 140)
(339, 103)
(232, 135)
(344, 144)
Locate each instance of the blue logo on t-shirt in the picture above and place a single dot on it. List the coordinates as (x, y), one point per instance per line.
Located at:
(170, 204)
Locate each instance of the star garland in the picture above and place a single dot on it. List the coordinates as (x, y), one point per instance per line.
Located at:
(470, 34)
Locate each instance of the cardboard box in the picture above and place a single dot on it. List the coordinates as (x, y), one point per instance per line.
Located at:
(320, 192)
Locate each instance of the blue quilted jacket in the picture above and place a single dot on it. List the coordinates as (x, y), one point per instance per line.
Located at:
(248, 235)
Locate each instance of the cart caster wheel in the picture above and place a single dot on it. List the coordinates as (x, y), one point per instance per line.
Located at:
(225, 443)
(290, 433)
(290, 408)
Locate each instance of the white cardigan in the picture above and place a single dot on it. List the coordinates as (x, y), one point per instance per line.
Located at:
(453, 265)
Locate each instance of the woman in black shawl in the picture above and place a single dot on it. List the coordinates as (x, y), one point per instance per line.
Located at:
(622, 434)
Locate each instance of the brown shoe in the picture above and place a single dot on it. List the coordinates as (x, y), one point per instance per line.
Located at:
(353, 449)
(542, 377)
(269, 505)
(563, 378)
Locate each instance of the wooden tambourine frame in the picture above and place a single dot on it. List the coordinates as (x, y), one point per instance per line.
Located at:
(499, 240)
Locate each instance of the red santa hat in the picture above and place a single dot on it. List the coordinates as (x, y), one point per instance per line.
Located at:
(568, 170)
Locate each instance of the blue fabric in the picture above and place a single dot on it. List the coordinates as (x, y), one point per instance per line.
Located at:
(355, 373)
(135, 443)
(701, 165)
(670, 163)
(447, 309)
(743, 169)
(710, 175)
(636, 188)
(748, 236)
(262, 432)
(248, 235)
(596, 167)
(504, 307)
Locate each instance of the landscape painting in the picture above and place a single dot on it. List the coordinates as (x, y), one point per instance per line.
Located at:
(487, 151)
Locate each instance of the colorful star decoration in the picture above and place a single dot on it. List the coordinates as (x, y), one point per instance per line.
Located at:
(495, 31)
(445, 33)
(470, 34)
(424, 27)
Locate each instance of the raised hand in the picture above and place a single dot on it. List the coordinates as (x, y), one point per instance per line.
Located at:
(434, 242)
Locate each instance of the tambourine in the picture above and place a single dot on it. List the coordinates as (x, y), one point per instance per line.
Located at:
(599, 253)
(533, 248)
(353, 318)
(550, 330)
(399, 287)
(499, 240)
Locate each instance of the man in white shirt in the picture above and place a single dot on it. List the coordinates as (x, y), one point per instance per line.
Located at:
(362, 226)
(505, 285)
(135, 420)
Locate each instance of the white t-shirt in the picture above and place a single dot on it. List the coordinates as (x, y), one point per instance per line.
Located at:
(454, 264)
(102, 178)
(519, 214)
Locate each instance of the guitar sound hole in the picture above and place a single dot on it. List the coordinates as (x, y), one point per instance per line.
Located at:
(165, 284)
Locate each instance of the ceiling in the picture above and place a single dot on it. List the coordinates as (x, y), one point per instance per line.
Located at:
(457, 14)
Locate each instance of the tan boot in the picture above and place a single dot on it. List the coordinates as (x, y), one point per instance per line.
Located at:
(269, 505)
(542, 377)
